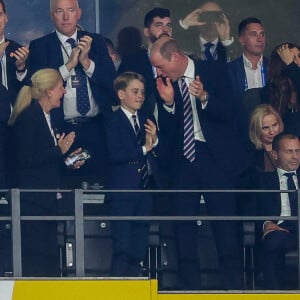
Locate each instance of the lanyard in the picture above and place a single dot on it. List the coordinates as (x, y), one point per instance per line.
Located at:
(263, 77)
(65, 50)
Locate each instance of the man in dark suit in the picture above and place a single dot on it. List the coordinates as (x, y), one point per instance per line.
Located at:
(157, 23)
(84, 63)
(214, 32)
(248, 73)
(12, 72)
(279, 236)
(131, 141)
(205, 152)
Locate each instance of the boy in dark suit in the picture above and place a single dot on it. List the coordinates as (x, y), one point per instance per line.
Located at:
(131, 138)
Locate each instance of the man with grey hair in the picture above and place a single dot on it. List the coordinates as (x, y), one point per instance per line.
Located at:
(84, 64)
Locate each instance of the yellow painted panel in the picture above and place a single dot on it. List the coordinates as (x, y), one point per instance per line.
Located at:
(82, 289)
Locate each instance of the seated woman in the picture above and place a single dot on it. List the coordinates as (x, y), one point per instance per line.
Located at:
(39, 157)
(265, 124)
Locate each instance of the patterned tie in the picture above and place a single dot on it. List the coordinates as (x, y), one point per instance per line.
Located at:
(188, 124)
(82, 96)
(145, 170)
(292, 195)
(207, 52)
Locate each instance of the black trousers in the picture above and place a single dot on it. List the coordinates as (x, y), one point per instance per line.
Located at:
(204, 173)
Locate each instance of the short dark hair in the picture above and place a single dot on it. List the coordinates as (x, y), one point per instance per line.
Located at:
(244, 23)
(278, 138)
(155, 12)
(3, 5)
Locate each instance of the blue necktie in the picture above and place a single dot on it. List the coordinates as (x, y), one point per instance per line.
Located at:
(207, 52)
(82, 96)
(292, 195)
(188, 124)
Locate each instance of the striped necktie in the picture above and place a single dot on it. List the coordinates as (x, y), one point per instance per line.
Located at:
(188, 124)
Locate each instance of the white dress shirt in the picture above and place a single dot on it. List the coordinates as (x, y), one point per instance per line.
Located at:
(255, 77)
(70, 107)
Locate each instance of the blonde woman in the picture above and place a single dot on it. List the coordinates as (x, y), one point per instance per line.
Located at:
(265, 124)
(39, 158)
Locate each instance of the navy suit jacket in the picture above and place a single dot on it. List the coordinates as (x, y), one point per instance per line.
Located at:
(13, 84)
(39, 161)
(46, 52)
(269, 204)
(125, 155)
(217, 121)
(238, 76)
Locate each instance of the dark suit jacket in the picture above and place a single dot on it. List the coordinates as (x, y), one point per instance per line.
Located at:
(269, 204)
(45, 52)
(124, 153)
(39, 161)
(238, 76)
(217, 121)
(140, 63)
(13, 83)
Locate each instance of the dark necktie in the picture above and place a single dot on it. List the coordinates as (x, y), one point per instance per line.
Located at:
(82, 96)
(207, 52)
(292, 195)
(188, 124)
(145, 170)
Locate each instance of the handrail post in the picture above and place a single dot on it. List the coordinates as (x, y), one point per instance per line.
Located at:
(298, 223)
(79, 233)
(16, 232)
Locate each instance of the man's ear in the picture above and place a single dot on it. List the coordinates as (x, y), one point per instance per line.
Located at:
(146, 32)
(274, 155)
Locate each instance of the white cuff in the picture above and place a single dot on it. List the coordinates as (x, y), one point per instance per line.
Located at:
(227, 43)
(183, 25)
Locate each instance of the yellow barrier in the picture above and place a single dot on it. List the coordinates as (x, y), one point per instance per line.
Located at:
(110, 290)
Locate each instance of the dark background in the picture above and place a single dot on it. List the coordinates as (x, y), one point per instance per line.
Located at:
(281, 18)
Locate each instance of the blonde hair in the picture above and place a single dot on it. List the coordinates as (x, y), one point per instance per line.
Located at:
(41, 81)
(255, 125)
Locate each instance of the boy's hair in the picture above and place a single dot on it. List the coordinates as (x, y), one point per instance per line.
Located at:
(156, 12)
(123, 80)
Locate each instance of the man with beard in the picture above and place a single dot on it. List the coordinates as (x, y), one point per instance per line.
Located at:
(214, 32)
(157, 23)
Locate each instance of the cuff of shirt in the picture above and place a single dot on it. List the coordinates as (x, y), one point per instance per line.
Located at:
(144, 150)
(90, 71)
(185, 27)
(65, 74)
(170, 109)
(227, 43)
(21, 76)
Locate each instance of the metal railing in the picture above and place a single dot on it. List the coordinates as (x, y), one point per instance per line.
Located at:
(79, 219)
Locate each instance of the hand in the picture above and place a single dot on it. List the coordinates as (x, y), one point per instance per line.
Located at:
(196, 89)
(148, 142)
(286, 54)
(3, 47)
(85, 45)
(21, 55)
(73, 59)
(223, 28)
(66, 141)
(150, 128)
(192, 19)
(270, 226)
(78, 163)
(166, 91)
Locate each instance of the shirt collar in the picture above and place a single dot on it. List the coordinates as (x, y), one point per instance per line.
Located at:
(63, 38)
(281, 172)
(204, 41)
(190, 69)
(248, 64)
(128, 113)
